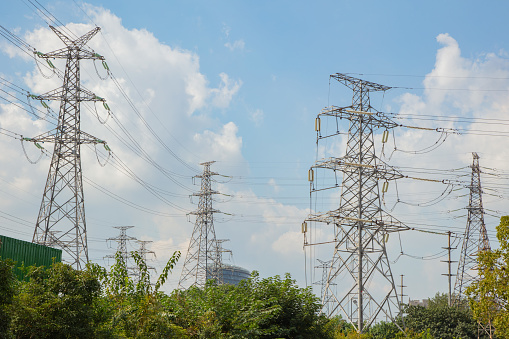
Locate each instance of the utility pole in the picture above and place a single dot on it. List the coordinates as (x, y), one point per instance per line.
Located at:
(449, 262)
(202, 260)
(122, 239)
(402, 286)
(63, 203)
(476, 237)
(361, 227)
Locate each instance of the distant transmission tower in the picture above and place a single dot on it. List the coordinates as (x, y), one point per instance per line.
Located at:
(324, 292)
(63, 204)
(361, 227)
(122, 239)
(143, 251)
(203, 256)
(476, 236)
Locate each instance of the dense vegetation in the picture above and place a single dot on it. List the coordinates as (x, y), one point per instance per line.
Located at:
(60, 302)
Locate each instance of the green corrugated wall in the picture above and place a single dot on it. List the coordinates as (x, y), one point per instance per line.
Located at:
(24, 252)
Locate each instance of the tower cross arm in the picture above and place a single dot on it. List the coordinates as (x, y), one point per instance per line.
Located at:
(375, 119)
(204, 212)
(58, 94)
(388, 223)
(204, 193)
(354, 83)
(50, 136)
(381, 171)
(76, 45)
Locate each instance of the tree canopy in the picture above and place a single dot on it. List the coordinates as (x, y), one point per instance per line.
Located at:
(489, 295)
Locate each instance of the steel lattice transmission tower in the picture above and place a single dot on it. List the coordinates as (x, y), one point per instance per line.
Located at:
(61, 219)
(324, 292)
(361, 227)
(122, 239)
(143, 251)
(476, 236)
(203, 259)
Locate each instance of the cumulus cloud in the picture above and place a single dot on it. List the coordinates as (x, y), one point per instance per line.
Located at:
(225, 145)
(236, 45)
(257, 117)
(459, 93)
(222, 96)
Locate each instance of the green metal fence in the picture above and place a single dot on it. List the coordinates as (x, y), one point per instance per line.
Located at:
(27, 254)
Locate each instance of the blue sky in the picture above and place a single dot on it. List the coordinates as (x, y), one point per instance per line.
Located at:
(241, 83)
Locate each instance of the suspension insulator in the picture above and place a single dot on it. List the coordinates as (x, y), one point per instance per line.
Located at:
(386, 238)
(311, 175)
(385, 187)
(385, 136)
(304, 227)
(317, 124)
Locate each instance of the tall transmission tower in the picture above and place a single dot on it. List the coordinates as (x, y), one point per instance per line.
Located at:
(476, 236)
(63, 203)
(203, 256)
(361, 227)
(122, 239)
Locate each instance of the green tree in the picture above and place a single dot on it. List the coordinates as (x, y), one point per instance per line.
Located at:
(134, 308)
(256, 308)
(489, 295)
(441, 320)
(55, 303)
(7, 289)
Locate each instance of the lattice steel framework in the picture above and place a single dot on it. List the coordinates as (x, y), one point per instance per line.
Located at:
(122, 240)
(325, 266)
(61, 219)
(476, 236)
(203, 256)
(143, 251)
(361, 227)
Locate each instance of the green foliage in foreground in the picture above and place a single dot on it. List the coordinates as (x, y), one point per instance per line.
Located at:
(60, 302)
(441, 320)
(256, 308)
(489, 296)
(7, 289)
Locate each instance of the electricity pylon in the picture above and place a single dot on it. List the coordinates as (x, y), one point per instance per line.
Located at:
(203, 256)
(476, 236)
(63, 204)
(122, 239)
(143, 251)
(324, 295)
(361, 227)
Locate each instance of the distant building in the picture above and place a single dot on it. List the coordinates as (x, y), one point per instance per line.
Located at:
(234, 274)
(423, 302)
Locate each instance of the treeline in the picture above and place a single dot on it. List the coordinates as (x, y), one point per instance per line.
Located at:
(61, 302)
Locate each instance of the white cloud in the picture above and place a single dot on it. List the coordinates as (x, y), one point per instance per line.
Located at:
(273, 184)
(222, 96)
(236, 45)
(225, 145)
(257, 117)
